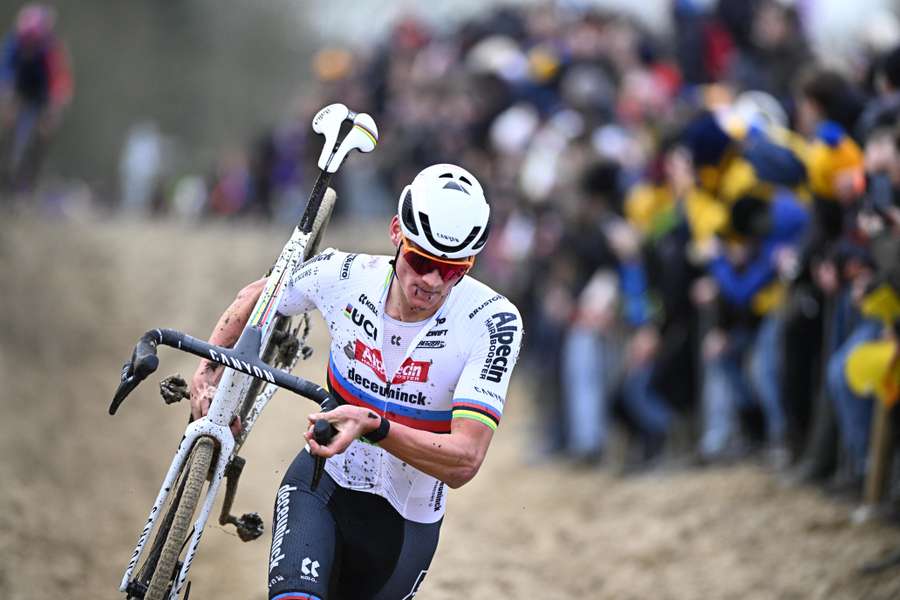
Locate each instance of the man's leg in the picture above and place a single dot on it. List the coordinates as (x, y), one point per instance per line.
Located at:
(419, 544)
(584, 361)
(649, 410)
(764, 374)
(303, 554)
(719, 408)
(383, 555)
(854, 413)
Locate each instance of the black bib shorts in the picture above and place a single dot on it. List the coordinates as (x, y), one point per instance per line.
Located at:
(339, 544)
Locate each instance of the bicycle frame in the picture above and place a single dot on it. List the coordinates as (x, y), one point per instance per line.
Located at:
(243, 361)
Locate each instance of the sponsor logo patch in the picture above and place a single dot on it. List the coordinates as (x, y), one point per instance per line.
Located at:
(489, 394)
(310, 569)
(364, 300)
(310, 266)
(502, 330)
(411, 370)
(483, 305)
(427, 344)
(282, 509)
(386, 391)
(345, 266)
(437, 495)
(358, 318)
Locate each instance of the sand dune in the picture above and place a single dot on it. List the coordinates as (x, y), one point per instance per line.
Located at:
(77, 483)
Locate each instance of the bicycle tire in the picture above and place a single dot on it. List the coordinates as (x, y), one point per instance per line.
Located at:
(197, 468)
(151, 558)
(323, 217)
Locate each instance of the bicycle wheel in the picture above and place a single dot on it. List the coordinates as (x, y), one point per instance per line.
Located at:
(161, 567)
(323, 216)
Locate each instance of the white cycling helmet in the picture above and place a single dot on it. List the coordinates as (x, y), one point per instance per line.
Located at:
(444, 212)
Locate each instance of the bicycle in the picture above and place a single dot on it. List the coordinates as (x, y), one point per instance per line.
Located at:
(208, 451)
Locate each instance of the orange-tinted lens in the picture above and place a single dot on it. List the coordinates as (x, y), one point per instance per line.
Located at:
(423, 264)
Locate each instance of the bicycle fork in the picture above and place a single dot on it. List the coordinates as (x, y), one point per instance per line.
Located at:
(225, 443)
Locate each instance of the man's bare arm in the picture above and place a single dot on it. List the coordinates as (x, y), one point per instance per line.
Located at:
(226, 333)
(453, 458)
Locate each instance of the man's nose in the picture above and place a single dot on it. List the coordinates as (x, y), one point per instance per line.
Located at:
(433, 279)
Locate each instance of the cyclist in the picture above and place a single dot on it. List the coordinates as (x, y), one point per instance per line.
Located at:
(35, 86)
(421, 357)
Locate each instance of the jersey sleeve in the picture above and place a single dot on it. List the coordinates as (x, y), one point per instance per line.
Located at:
(311, 282)
(481, 390)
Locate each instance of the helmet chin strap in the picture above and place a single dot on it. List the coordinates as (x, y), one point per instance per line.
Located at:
(393, 263)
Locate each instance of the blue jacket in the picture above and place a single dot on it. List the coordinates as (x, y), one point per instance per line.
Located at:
(789, 221)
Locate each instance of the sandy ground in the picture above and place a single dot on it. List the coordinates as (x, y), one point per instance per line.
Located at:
(76, 484)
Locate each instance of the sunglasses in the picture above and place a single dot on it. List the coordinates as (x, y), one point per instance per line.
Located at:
(423, 263)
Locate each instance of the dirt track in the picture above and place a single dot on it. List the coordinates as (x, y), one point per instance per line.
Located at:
(75, 483)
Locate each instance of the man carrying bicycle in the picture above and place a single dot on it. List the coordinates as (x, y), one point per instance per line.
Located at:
(421, 357)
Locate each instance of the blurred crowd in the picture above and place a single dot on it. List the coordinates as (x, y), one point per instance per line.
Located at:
(702, 228)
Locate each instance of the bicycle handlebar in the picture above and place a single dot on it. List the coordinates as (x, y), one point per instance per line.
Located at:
(244, 357)
(145, 361)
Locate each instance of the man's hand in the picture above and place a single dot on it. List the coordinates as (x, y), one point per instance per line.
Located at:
(714, 344)
(226, 333)
(827, 277)
(351, 422)
(704, 291)
(642, 347)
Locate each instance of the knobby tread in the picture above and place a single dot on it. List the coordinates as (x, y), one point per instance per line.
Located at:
(323, 216)
(198, 468)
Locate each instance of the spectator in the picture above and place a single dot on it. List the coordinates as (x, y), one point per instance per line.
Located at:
(35, 87)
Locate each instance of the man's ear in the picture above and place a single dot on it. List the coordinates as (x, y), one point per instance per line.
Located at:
(395, 232)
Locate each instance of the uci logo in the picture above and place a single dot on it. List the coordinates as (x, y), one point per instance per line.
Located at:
(360, 320)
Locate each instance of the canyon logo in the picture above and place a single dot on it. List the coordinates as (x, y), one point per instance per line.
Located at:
(411, 370)
(502, 331)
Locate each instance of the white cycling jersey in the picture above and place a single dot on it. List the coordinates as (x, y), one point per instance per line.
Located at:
(457, 366)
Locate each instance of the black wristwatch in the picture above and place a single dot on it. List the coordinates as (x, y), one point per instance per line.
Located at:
(379, 433)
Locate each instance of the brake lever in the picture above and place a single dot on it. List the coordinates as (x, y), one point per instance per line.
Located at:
(127, 383)
(143, 362)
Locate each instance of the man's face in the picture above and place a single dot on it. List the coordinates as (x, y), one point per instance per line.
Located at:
(422, 293)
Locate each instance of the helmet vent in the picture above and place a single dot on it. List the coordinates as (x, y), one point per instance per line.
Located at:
(465, 180)
(446, 176)
(407, 213)
(452, 185)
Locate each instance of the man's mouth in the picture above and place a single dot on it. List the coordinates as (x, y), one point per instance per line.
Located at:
(423, 294)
